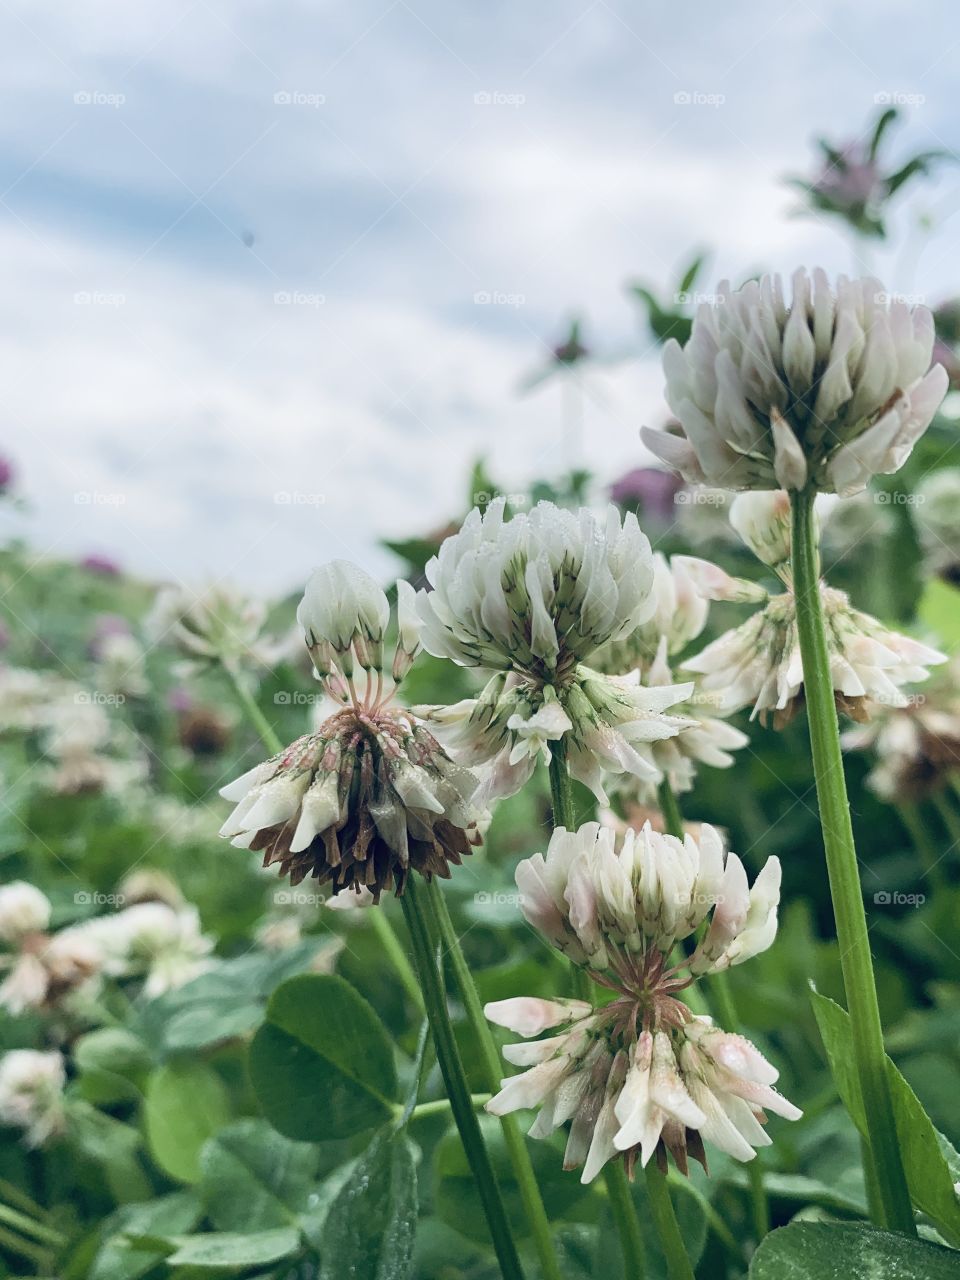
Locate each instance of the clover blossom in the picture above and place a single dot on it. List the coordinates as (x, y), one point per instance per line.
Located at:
(641, 1075)
(758, 664)
(370, 794)
(828, 390)
(532, 600)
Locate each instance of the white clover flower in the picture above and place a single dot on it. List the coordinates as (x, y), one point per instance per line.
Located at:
(217, 624)
(936, 515)
(532, 599)
(606, 908)
(758, 664)
(344, 610)
(31, 1094)
(641, 1075)
(163, 945)
(23, 910)
(829, 390)
(537, 593)
(916, 746)
(370, 793)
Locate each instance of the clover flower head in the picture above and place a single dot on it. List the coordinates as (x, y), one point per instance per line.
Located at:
(758, 664)
(24, 910)
(532, 599)
(31, 1094)
(217, 624)
(641, 1075)
(370, 794)
(916, 746)
(829, 389)
(538, 593)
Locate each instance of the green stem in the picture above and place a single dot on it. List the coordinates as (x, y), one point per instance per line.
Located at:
(670, 809)
(625, 1219)
(268, 735)
(721, 1003)
(948, 816)
(671, 1241)
(438, 1106)
(395, 954)
(866, 1042)
(422, 925)
(561, 789)
(533, 1206)
(912, 819)
(21, 1222)
(25, 1248)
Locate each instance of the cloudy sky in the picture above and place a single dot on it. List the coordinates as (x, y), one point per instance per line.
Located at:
(273, 272)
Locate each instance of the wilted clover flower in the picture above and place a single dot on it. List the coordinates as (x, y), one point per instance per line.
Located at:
(641, 1075)
(370, 794)
(829, 390)
(31, 1094)
(532, 599)
(758, 664)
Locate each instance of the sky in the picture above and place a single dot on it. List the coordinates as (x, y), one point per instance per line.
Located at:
(274, 273)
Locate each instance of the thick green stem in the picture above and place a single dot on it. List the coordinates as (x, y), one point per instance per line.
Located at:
(561, 789)
(625, 1220)
(721, 1003)
(670, 810)
(422, 925)
(679, 1266)
(533, 1206)
(842, 869)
